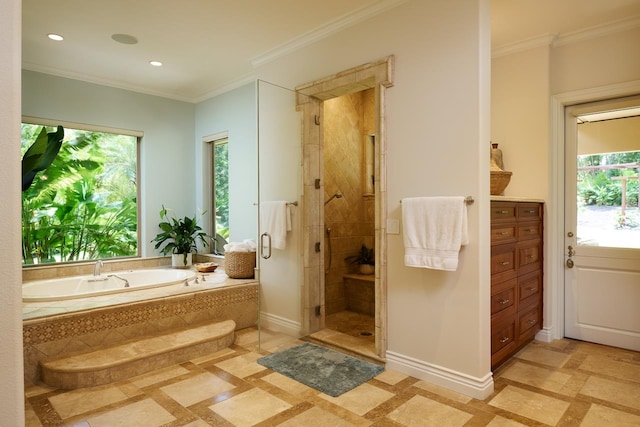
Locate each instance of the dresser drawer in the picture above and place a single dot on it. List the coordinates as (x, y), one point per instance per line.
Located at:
(503, 259)
(529, 256)
(504, 297)
(529, 288)
(502, 335)
(503, 233)
(503, 211)
(529, 230)
(528, 323)
(527, 211)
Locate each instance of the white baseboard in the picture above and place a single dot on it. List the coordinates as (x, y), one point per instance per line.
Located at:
(280, 324)
(478, 388)
(545, 335)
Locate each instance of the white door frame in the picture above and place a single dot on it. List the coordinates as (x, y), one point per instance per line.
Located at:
(554, 236)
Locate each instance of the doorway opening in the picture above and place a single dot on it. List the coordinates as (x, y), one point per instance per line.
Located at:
(343, 210)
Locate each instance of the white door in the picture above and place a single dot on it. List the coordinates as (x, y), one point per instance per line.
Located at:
(602, 241)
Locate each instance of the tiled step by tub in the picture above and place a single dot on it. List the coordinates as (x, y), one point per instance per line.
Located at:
(126, 360)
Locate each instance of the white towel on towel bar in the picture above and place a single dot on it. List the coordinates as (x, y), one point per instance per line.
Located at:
(434, 229)
(275, 219)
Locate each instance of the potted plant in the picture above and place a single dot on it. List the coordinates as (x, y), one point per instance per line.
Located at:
(365, 259)
(179, 237)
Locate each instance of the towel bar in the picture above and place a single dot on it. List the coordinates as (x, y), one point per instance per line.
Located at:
(467, 200)
(288, 203)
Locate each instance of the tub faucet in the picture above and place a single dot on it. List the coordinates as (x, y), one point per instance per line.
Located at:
(126, 282)
(97, 267)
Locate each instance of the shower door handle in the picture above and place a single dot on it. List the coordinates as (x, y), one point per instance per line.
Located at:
(262, 245)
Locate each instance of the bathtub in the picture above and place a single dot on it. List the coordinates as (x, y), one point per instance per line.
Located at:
(116, 282)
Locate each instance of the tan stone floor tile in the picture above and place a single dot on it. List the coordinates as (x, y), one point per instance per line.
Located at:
(316, 417)
(242, 366)
(197, 423)
(599, 416)
(544, 356)
(390, 376)
(537, 377)
(84, 400)
(250, 407)
(159, 376)
(608, 366)
(444, 392)
(361, 399)
(420, 411)
(499, 421)
(35, 390)
(196, 389)
(613, 391)
(143, 413)
(289, 385)
(532, 405)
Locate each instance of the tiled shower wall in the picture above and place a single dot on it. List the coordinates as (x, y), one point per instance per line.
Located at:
(348, 120)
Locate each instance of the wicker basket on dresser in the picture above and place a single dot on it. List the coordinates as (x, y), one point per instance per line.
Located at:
(516, 276)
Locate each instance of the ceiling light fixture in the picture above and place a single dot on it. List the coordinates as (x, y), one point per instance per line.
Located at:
(156, 63)
(56, 37)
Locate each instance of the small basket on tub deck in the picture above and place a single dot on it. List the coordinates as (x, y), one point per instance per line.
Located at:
(240, 265)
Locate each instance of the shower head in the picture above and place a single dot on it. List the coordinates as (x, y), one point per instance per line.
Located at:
(337, 195)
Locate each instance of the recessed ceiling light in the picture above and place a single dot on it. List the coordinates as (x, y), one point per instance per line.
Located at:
(124, 38)
(56, 37)
(156, 63)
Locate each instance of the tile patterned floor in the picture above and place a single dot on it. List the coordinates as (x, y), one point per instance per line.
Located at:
(564, 383)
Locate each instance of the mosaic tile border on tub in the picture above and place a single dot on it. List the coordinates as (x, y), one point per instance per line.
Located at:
(42, 330)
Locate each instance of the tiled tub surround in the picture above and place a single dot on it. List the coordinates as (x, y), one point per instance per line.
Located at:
(55, 329)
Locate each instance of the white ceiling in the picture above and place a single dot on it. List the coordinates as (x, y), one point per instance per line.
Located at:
(208, 46)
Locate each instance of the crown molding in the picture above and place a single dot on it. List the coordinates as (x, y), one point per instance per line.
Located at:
(246, 79)
(571, 37)
(522, 45)
(324, 31)
(103, 82)
(597, 31)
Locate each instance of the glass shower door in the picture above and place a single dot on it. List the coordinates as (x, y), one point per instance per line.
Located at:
(280, 182)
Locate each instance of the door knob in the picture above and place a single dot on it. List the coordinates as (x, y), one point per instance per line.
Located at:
(570, 234)
(569, 263)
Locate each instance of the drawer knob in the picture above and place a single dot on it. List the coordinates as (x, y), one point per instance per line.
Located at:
(530, 256)
(531, 289)
(531, 321)
(504, 339)
(531, 211)
(504, 233)
(505, 263)
(505, 301)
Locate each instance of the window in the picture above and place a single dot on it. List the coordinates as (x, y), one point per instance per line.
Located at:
(85, 204)
(221, 193)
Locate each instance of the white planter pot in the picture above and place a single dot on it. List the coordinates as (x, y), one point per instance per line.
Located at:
(177, 260)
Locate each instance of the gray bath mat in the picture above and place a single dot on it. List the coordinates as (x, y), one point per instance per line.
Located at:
(329, 371)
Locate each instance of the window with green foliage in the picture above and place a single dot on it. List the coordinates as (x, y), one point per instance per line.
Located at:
(84, 205)
(221, 186)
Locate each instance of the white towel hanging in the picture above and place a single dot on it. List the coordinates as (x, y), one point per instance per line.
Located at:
(434, 229)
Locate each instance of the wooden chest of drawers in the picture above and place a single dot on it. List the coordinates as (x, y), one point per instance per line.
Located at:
(516, 276)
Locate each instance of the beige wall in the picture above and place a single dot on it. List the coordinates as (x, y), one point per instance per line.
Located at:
(437, 128)
(11, 366)
(520, 119)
